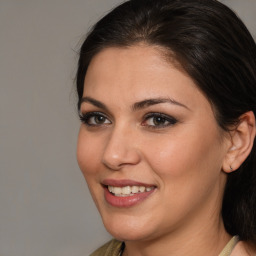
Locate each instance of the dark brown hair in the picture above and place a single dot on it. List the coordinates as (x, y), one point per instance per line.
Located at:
(216, 50)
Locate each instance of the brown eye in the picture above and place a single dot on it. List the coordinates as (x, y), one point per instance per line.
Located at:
(94, 119)
(98, 119)
(158, 120)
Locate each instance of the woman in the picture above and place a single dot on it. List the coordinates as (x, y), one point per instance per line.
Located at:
(167, 100)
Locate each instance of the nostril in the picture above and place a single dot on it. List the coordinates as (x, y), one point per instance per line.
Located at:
(116, 161)
(120, 149)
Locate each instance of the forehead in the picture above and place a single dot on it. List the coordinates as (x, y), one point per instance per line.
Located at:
(138, 72)
(126, 59)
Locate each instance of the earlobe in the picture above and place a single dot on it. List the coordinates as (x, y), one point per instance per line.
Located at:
(242, 139)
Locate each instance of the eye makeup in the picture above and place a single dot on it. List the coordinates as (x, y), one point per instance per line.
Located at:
(94, 119)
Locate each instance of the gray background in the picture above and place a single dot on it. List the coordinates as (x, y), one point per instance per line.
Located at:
(45, 207)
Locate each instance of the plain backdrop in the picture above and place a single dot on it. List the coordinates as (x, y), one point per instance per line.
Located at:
(45, 206)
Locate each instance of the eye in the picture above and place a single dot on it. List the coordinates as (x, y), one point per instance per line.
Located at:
(94, 119)
(158, 120)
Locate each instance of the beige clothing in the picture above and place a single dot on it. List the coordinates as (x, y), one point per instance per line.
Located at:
(229, 247)
(113, 248)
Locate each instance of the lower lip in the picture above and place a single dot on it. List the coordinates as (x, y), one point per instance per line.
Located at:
(126, 201)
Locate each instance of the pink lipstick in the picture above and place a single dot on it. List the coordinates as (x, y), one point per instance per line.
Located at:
(126, 193)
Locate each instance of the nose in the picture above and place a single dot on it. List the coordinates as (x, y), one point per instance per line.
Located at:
(121, 149)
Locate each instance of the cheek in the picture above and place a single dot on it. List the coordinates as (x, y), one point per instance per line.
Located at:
(188, 171)
(88, 152)
(88, 158)
(187, 157)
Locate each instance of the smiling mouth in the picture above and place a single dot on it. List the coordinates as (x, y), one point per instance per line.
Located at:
(128, 190)
(126, 193)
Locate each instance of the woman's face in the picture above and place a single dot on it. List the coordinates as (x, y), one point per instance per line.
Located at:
(150, 137)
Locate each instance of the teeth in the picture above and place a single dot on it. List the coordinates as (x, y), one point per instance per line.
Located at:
(128, 190)
(117, 190)
(142, 189)
(135, 189)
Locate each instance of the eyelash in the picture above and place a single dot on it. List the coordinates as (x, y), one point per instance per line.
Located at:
(85, 118)
(166, 119)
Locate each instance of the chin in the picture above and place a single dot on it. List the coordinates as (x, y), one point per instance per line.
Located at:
(128, 234)
(128, 230)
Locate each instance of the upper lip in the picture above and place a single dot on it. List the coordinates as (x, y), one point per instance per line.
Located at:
(124, 182)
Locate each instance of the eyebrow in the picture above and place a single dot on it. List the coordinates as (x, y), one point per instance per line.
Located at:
(154, 101)
(94, 102)
(137, 105)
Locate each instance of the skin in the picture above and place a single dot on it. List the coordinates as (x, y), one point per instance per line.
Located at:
(183, 160)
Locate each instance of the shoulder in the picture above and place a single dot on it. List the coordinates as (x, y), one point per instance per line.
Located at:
(244, 249)
(112, 248)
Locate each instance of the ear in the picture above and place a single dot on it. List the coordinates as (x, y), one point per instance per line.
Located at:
(241, 142)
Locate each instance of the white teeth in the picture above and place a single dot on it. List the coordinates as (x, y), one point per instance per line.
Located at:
(128, 190)
(117, 190)
(135, 189)
(142, 189)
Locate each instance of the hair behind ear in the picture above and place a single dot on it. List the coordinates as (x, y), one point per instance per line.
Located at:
(241, 142)
(239, 204)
